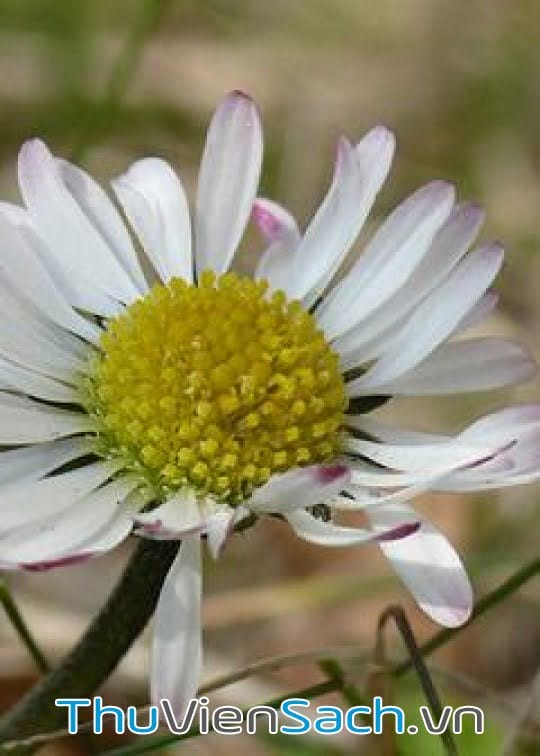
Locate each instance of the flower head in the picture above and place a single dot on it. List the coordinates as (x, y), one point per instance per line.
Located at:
(178, 404)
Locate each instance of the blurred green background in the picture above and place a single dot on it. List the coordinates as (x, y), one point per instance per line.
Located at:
(106, 82)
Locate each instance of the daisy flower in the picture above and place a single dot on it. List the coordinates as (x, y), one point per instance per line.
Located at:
(147, 388)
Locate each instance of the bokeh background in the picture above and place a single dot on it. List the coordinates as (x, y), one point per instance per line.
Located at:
(107, 82)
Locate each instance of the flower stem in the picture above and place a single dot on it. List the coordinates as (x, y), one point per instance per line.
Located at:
(22, 629)
(98, 652)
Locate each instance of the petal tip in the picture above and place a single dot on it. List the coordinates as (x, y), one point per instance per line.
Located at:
(239, 100)
(401, 531)
(331, 473)
(440, 189)
(51, 564)
(383, 135)
(236, 94)
(266, 221)
(455, 617)
(32, 153)
(496, 250)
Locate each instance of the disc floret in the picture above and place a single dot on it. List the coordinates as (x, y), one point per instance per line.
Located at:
(215, 386)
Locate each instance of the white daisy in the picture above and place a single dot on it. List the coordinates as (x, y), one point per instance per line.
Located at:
(210, 399)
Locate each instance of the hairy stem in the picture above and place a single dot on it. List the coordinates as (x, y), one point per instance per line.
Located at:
(98, 652)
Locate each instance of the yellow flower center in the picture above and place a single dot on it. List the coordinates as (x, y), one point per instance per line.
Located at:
(215, 387)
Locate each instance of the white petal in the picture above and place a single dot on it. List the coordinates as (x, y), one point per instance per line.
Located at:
(51, 539)
(33, 462)
(154, 200)
(99, 209)
(428, 565)
(228, 180)
(421, 457)
(435, 319)
(23, 421)
(79, 250)
(281, 231)
(505, 424)
(507, 454)
(275, 222)
(22, 268)
(448, 247)
(517, 429)
(472, 365)
(38, 345)
(36, 500)
(37, 350)
(524, 457)
(115, 530)
(175, 518)
(370, 476)
(15, 214)
(26, 381)
(77, 292)
(298, 488)
(390, 434)
(323, 533)
(359, 174)
(15, 306)
(364, 498)
(364, 343)
(219, 527)
(388, 260)
(177, 637)
(479, 312)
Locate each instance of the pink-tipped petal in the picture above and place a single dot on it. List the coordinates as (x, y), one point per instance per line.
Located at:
(52, 564)
(36, 501)
(428, 565)
(273, 221)
(281, 231)
(331, 473)
(399, 532)
(358, 176)
(299, 488)
(92, 524)
(228, 180)
(324, 533)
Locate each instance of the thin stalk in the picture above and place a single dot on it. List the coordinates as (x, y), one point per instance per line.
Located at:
(487, 602)
(416, 659)
(22, 629)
